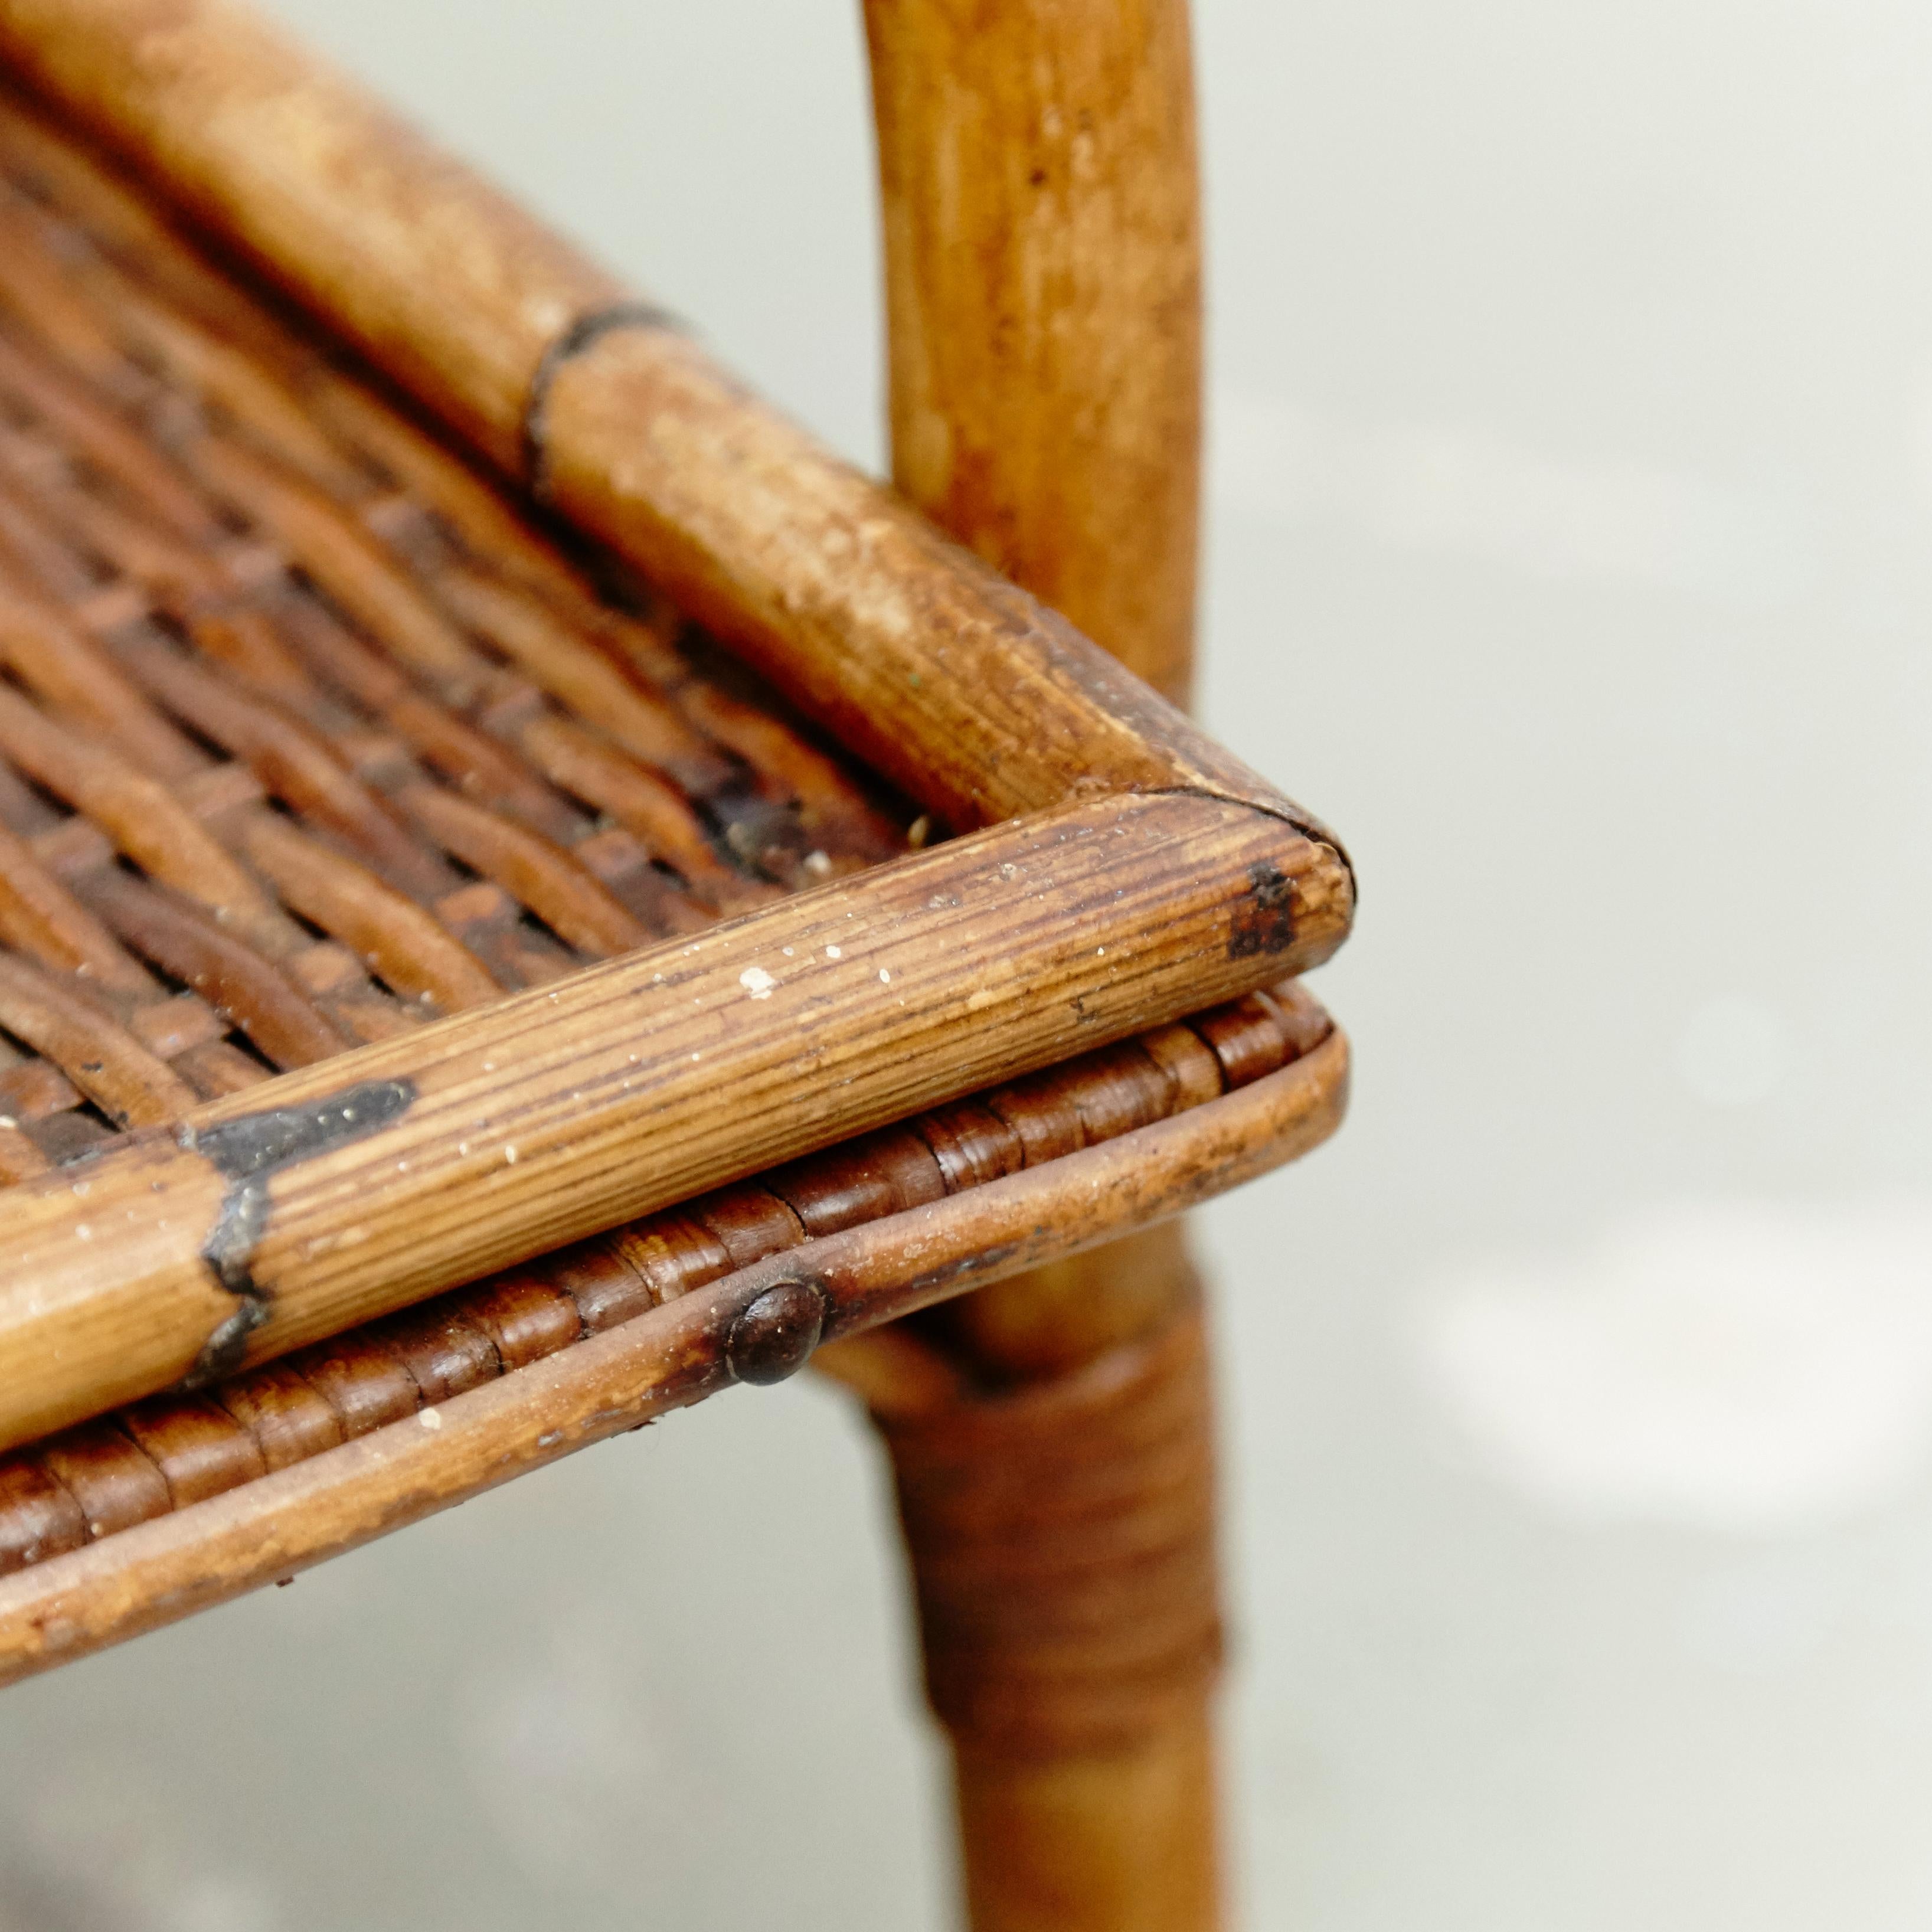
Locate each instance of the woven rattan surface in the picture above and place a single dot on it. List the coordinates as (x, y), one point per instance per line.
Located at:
(305, 735)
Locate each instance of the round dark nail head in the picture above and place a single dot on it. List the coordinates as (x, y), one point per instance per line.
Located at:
(775, 1335)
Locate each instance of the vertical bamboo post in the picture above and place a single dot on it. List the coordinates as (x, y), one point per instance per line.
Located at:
(1041, 208)
(1037, 169)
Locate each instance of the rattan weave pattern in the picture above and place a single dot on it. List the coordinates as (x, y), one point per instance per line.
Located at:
(305, 735)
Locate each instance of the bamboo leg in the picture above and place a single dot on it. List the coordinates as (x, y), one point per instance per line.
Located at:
(1125, 1841)
(1061, 1529)
(1042, 226)
(1043, 299)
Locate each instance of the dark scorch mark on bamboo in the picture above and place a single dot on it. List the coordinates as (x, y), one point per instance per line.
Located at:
(1265, 922)
(248, 1152)
(582, 333)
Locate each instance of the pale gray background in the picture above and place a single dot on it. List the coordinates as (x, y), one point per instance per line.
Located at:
(1572, 482)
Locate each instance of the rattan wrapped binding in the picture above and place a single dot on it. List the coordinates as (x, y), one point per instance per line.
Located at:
(1061, 1534)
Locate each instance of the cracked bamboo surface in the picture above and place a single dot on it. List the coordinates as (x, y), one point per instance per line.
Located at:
(502, 1133)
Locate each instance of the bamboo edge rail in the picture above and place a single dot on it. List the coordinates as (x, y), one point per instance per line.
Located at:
(963, 689)
(79, 1485)
(493, 1135)
(756, 1325)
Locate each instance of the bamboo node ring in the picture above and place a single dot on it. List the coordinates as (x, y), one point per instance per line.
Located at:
(248, 1152)
(580, 335)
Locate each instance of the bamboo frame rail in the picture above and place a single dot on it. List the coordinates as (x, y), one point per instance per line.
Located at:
(965, 691)
(160, 1571)
(329, 1194)
(80, 1484)
(961, 687)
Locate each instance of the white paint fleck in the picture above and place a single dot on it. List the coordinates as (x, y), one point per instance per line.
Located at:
(509, 1157)
(885, 978)
(757, 981)
(431, 1419)
(835, 952)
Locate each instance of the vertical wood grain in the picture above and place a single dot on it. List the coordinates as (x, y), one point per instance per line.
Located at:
(1042, 252)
